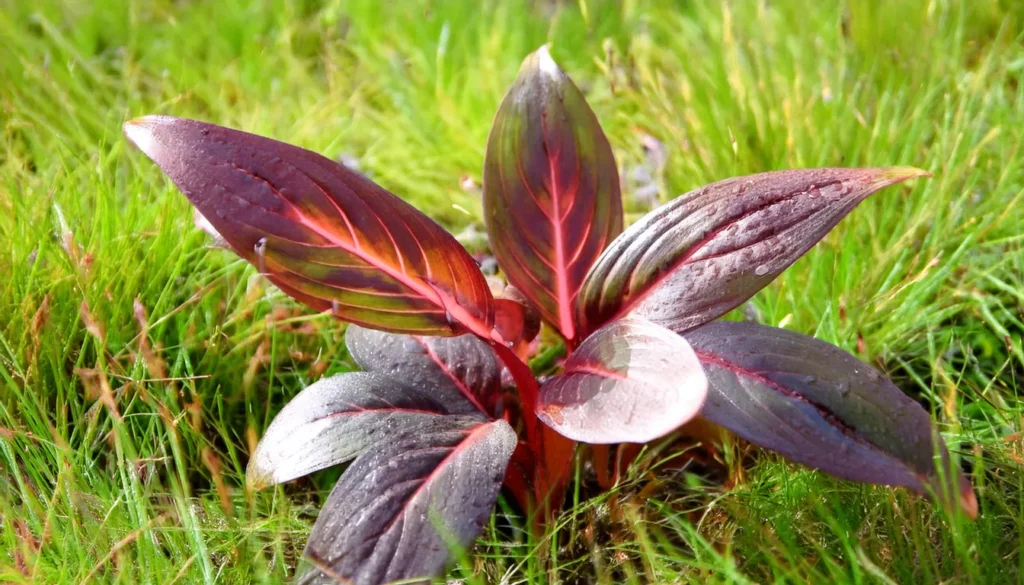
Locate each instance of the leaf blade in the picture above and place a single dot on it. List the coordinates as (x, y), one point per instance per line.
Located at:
(551, 189)
(377, 524)
(631, 381)
(333, 421)
(706, 252)
(810, 401)
(460, 372)
(326, 235)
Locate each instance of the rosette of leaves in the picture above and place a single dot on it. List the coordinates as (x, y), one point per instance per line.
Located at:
(431, 432)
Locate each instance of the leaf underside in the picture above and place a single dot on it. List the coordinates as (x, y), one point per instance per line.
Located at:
(706, 252)
(632, 381)
(819, 406)
(401, 507)
(323, 234)
(551, 189)
(460, 372)
(336, 419)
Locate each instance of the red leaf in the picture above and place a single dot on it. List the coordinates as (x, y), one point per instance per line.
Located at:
(820, 406)
(630, 382)
(708, 251)
(461, 372)
(551, 189)
(398, 510)
(325, 235)
(336, 419)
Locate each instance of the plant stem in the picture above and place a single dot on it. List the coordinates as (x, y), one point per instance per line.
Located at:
(526, 384)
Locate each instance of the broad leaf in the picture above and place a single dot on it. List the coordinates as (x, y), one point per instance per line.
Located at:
(336, 419)
(705, 253)
(323, 234)
(400, 508)
(551, 189)
(630, 382)
(819, 406)
(460, 372)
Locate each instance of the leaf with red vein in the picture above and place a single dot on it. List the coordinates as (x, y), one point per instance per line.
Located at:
(461, 372)
(336, 419)
(632, 381)
(400, 508)
(820, 406)
(708, 251)
(551, 189)
(325, 235)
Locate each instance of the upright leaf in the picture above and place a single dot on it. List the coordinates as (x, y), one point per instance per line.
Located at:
(819, 406)
(399, 509)
(705, 253)
(630, 382)
(551, 189)
(325, 235)
(336, 419)
(459, 372)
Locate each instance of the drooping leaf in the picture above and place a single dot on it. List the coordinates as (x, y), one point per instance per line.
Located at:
(551, 189)
(397, 510)
(631, 381)
(460, 372)
(705, 253)
(819, 406)
(336, 419)
(325, 235)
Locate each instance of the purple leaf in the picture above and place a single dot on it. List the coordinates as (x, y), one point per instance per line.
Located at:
(460, 372)
(323, 234)
(705, 253)
(336, 419)
(551, 189)
(630, 382)
(819, 406)
(396, 511)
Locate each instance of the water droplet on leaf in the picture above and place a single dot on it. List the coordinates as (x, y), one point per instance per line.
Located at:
(261, 250)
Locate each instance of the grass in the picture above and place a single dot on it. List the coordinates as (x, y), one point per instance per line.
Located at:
(139, 366)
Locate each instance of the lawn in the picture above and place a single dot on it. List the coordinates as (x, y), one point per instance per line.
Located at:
(139, 366)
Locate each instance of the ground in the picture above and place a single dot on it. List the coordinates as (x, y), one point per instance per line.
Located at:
(139, 365)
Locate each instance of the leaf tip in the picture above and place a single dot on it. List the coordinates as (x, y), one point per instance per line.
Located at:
(541, 62)
(256, 478)
(143, 131)
(259, 473)
(892, 175)
(545, 63)
(140, 132)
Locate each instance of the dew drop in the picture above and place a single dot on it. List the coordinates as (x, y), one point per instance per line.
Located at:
(761, 270)
(261, 251)
(843, 387)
